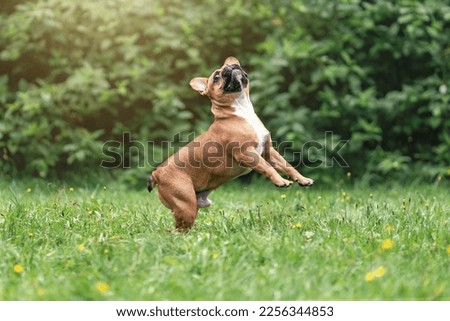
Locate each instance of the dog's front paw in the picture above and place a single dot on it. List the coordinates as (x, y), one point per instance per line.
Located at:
(305, 181)
(282, 183)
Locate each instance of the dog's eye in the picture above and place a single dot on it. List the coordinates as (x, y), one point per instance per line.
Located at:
(216, 77)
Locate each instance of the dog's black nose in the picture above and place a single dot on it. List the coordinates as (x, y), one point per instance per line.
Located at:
(235, 79)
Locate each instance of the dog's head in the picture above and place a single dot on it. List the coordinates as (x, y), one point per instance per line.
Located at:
(224, 84)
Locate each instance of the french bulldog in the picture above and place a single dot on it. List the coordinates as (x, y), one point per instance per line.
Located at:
(235, 143)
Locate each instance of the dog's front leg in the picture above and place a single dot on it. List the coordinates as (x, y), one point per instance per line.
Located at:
(250, 158)
(281, 165)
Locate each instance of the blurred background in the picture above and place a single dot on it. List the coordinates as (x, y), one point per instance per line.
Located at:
(77, 74)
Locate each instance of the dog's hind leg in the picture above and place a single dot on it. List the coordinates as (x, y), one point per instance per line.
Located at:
(180, 197)
(185, 211)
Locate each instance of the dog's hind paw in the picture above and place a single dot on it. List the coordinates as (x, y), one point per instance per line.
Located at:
(203, 200)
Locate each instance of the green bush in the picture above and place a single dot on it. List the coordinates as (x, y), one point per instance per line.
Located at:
(78, 73)
(373, 72)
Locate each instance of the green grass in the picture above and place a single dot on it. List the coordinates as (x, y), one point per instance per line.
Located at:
(109, 243)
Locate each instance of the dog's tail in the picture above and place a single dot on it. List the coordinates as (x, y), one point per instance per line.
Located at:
(150, 183)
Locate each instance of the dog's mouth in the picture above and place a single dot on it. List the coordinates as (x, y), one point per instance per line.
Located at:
(234, 79)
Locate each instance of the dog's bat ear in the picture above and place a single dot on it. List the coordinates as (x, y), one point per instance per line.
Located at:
(232, 61)
(200, 84)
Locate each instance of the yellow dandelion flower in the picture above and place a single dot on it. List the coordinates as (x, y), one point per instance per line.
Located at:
(283, 196)
(18, 268)
(387, 244)
(30, 234)
(379, 272)
(297, 225)
(102, 287)
(106, 251)
(40, 292)
(448, 249)
(29, 190)
(370, 276)
(80, 247)
(345, 196)
(215, 255)
(71, 189)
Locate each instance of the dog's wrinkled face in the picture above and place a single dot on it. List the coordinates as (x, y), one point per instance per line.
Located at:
(224, 84)
(234, 78)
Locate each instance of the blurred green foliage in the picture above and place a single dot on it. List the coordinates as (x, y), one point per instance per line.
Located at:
(375, 73)
(75, 74)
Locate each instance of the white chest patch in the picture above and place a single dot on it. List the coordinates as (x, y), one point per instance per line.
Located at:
(244, 108)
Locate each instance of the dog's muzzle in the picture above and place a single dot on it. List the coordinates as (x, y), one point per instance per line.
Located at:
(234, 79)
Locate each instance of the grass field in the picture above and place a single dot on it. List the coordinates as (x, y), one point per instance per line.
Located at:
(257, 242)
